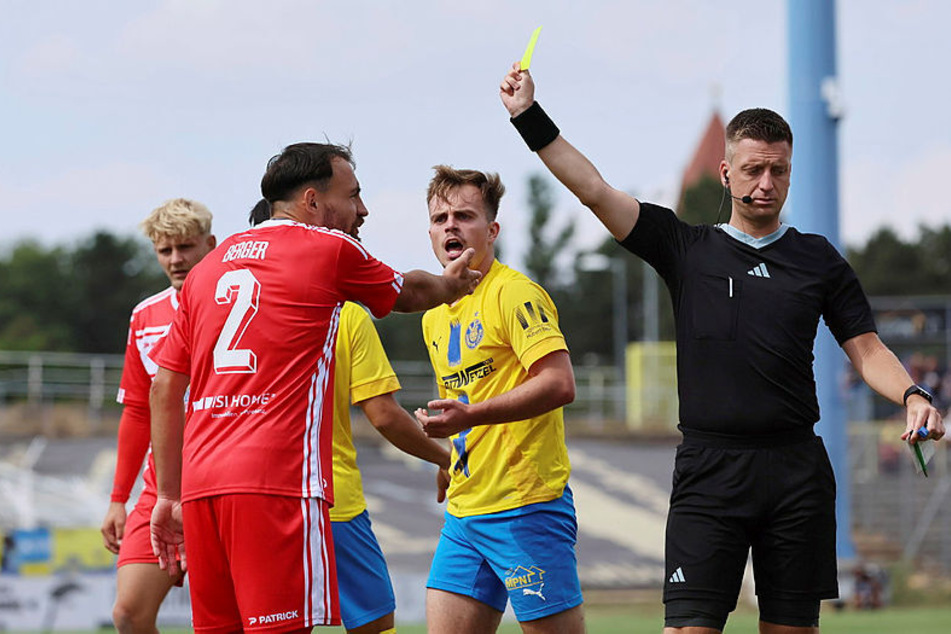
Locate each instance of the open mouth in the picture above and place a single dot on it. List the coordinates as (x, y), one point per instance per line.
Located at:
(454, 248)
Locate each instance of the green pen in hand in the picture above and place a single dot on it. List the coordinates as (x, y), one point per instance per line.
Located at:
(921, 460)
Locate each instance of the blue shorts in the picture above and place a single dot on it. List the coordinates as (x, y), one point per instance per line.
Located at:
(363, 580)
(526, 555)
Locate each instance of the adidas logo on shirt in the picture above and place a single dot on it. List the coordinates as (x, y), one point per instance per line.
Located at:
(759, 270)
(677, 577)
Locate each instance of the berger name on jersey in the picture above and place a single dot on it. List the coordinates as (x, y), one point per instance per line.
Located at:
(249, 250)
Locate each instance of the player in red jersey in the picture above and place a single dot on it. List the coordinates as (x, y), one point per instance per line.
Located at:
(180, 231)
(363, 376)
(249, 476)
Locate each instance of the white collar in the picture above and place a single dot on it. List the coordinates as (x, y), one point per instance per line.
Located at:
(756, 243)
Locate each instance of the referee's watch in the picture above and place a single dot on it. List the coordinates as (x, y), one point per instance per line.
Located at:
(920, 391)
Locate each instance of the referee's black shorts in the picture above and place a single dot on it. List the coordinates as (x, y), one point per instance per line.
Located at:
(776, 496)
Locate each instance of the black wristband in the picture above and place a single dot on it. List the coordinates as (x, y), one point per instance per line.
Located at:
(536, 128)
(920, 391)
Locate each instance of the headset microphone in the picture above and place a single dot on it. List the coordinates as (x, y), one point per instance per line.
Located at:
(746, 200)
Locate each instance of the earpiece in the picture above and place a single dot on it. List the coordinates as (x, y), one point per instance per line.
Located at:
(746, 200)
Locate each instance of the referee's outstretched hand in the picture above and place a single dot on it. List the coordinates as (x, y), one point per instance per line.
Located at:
(517, 90)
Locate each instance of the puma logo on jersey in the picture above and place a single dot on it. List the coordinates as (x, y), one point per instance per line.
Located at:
(537, 593)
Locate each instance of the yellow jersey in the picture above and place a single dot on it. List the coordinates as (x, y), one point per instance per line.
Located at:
(483, 346)
(362, 372)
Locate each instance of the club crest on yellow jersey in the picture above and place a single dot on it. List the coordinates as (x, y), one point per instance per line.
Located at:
(474, 334)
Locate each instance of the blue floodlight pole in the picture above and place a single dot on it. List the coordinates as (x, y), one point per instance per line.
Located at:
(815, 109)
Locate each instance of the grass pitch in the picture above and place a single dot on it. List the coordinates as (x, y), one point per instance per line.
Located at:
(619, 619)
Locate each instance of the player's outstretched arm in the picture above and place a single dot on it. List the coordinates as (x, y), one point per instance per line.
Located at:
(883, 372)
(422, 290)
(617, 210)
(550, 384)
(402, 431)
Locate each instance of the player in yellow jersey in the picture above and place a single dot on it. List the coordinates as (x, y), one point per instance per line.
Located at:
(503, 373)
(363, 376)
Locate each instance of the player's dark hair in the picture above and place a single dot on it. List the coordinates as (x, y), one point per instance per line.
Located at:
(759, 124)
(448, 178)
(259, 213)
(299, 165)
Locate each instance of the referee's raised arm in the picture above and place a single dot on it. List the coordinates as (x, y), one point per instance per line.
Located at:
(617, 210)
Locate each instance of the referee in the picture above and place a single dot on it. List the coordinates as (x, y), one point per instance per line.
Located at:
(747, 296)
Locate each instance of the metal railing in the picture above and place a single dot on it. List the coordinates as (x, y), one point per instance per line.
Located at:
(42, 378)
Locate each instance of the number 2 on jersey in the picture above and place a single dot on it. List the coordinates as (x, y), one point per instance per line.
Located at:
(240, 289)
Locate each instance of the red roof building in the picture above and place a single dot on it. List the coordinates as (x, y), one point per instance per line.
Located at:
(706, 158)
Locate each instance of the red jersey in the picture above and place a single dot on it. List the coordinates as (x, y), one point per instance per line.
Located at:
(150, 321)
(256, 332)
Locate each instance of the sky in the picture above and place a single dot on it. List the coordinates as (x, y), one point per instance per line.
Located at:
(109, 108)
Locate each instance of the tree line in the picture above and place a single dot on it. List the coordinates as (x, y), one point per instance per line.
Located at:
(74, 298)
(77, 298)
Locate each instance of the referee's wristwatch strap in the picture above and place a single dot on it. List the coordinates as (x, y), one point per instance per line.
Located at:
(920, 391)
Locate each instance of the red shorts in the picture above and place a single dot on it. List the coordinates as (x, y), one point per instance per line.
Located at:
(136, 544)
(260, 563)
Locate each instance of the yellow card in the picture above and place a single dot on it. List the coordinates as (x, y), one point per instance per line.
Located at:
(527, 57)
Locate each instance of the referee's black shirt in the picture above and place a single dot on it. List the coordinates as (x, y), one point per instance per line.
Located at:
(746, 320)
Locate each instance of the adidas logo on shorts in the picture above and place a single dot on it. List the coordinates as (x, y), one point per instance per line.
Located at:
(677, 577)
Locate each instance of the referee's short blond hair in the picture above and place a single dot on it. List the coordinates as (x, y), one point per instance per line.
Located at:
(177, 218)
